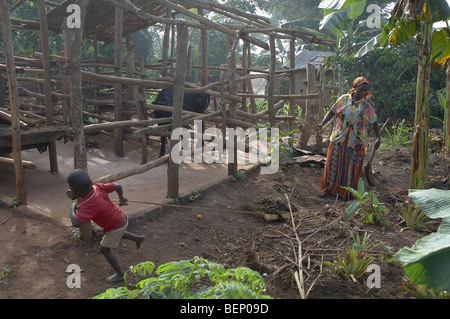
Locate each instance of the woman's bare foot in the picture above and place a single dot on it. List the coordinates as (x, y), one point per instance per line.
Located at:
(114, 278)
(139, 241)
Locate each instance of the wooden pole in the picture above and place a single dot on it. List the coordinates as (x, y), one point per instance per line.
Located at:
(73, 41)
(271, 82)
(166, 42)
(204, 52)
(178, 96)
(309, 111)
(291, 85)
(232, 88)
(43, 32)
(118, 108)
(14, 104)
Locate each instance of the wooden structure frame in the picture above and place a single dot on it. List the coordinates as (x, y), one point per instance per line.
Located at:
(64, 105)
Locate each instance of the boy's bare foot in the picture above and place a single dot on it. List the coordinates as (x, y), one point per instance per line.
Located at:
(139, 241)
(114, 278)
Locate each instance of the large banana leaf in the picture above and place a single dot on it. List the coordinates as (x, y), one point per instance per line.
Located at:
(427, 263)
(398, 31)
(369, 46)
(435, 203)
(439, 9)
(337, 12)
(440, 46)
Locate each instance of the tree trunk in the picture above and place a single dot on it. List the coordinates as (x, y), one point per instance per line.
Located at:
(418, 175)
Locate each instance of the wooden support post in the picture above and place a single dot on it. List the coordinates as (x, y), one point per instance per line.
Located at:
(204, 52)
(232, 110)
(291, 85)
(72, 46)
(43, 31)
(144, 113)
(178, 96)
(189, 64)
(309, 110)
(244, 61)
(271, 82)
(250, 86)
(118, 107)
(21, 187)
(165, 51)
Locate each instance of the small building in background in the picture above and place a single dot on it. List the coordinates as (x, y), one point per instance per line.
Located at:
(317, 59)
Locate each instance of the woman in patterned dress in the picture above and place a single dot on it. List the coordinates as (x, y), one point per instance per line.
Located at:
(345, 158)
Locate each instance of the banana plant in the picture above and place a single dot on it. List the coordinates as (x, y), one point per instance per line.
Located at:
(415, 18)
(427, 262)
(340, 18)
(441, 55)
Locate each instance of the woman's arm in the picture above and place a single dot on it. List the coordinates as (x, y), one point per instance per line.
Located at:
(376, 130)
(326, 119)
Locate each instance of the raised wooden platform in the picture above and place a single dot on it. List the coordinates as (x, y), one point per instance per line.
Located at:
(31, 137)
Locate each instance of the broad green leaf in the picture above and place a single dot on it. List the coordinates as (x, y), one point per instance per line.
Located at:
(440, 10)
(357, 7)
(442, 99)
(338, 13)
(440, 46)
(435, 203)
(332, 4)
(355, 193)
(335, 19)
(352, 209)
(427, 263)
(369, 46)
(360, 186)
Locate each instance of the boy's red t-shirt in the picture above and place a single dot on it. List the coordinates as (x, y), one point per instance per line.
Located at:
(98, 207)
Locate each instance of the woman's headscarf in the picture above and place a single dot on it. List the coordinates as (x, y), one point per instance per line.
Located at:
(359, 80)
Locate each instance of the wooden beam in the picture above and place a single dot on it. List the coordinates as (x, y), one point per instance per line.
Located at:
(10, 162)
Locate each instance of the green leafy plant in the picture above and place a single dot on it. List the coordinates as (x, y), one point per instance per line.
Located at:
(285, 110)
(420, 292)
(238, 176)
(367, 203)
(352, 263)
(14, 203)
(4, 273)
(400, 134)
(363, 243)
(427, 262)
(196, 278)
(414, 218)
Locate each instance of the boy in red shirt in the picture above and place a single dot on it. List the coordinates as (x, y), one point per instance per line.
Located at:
(94, 204)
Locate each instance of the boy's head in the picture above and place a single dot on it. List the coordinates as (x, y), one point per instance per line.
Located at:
(79, 182)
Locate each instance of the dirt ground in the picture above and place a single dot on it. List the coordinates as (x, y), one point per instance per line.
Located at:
(231, 231)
